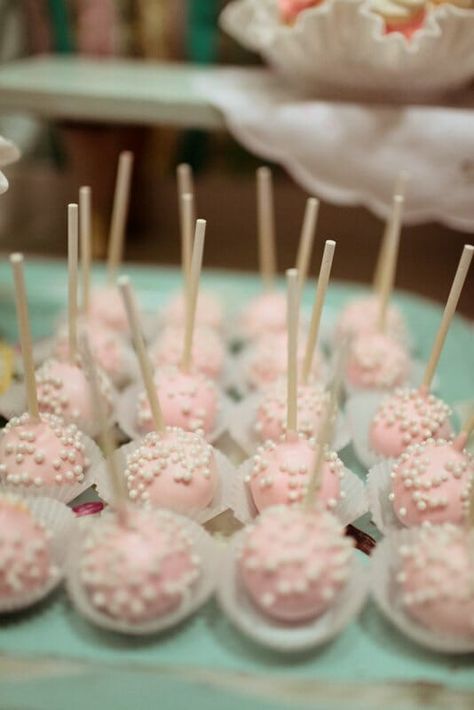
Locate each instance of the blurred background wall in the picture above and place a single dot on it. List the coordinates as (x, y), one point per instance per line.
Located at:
(59, 157)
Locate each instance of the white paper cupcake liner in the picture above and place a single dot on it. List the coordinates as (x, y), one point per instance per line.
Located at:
(127, 407)
(60, 521)
(203, 589)
(360, 411)
(242, 612)
(64, 493)
(220, 503)
(13, 403)
(244, 416)
(386, 592)
(378, 489)
(352, 506)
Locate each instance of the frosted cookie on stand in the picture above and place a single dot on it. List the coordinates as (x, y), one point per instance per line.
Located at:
(404, 16)
(414, 415)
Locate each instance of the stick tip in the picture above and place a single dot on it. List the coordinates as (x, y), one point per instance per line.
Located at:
(330, 243)
(263, 171)
(16, 258)
(313, 201)
(123, 281)
(292, 273)
(469, 248)
(85, 190)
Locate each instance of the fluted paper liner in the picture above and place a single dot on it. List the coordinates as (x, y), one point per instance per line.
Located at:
(244, 417)
(360, 411)
(378, 490)
(221, 501)
(352, 506)
(201, 591)
(251, 621)
(60, 521)
(387, 593)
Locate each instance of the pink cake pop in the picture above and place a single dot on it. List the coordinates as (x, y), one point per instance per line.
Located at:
(41, 452)
(409, 416)
(280, 473)
(208, 351)
(266, 362)
(139, 571)
(361, 316)
(294, 563)
(209, 311)
(107, 347)
(63, 389)
(26, 565)
(376, 360)
(173, 469)
(436, 579)
(432, 482)
(271, 414)
(189, 400)
(106, 308)
(264, 315)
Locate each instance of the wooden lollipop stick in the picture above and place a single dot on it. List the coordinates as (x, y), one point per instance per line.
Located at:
(266, 226)
(449, 310)
(192, 293)
(323, 280)
(72, 263)
(187, 228)
(119, 214)
(106, 438)
(325, 433)
(146, 368)
(184, 175)
(85, 210)
(292, 364)
(390, 266)
(16, 261)
(306, 239)
(399, 189)
(462, 438)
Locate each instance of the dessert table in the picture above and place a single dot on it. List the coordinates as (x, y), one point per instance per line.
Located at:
(51, 658)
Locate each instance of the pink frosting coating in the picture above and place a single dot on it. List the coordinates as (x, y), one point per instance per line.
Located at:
(208, 351)
(280, 474)
(264, 314)
(175, 469)
(46, 452)
(141, 571)
(188, 400)
(408, 417)
(25, 561)
(209, 311)
(431, 482)
(106, 307)
(267, 361)
(293, 564)
(290, 9)
(436, 579)
(361, 316)
(271, 414)
(106, 347)
(377, 361)
(63, 389)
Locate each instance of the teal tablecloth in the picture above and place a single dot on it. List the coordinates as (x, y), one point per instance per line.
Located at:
(53, 659)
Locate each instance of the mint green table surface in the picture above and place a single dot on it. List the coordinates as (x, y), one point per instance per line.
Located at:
(51, 658)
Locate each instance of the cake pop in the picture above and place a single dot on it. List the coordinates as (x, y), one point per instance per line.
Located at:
(135, 566)
(377, 361)
(209, 311)
(26, 566)
(431, 482)
(361, 316)
(280, 471)
(105, 304)
(173, 469)
(266, 313)
(293, 563)
(170, 467)
(436, 579)
(311, 403)
(208, 353)
(412, 416)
